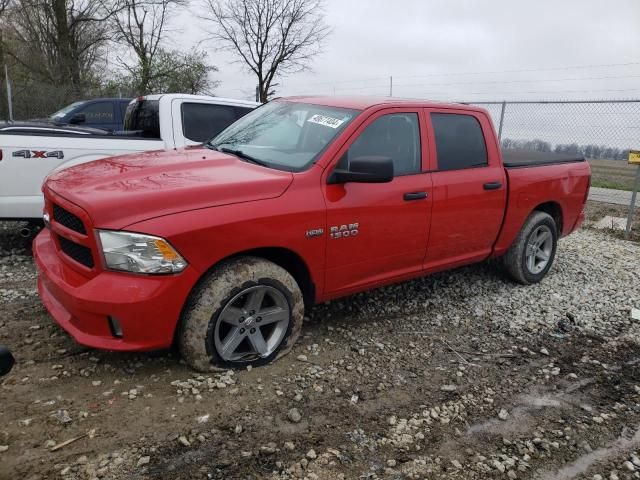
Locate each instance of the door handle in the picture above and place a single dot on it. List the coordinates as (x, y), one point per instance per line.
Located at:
(492, 185)
(414, 196)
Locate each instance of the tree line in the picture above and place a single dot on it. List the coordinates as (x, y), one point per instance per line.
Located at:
(588, 151)
(58, 51)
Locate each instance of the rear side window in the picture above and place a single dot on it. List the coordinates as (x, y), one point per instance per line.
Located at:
(459, 141)
(142, 116)
(122, 106)
(97, 113)
(242, 111)
(201, 121)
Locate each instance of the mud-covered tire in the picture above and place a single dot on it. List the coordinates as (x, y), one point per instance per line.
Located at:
(197, 330)
(515, 260)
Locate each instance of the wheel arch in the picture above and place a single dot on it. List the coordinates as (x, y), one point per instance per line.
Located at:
(284, 257)
(554, 209)
(291, 262)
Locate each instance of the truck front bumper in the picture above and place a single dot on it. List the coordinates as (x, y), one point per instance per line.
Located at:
(111, 310)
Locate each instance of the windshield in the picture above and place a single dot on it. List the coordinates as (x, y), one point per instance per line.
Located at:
(63, 111)
(284, 135)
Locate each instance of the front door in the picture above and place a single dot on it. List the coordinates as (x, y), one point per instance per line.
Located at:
(379, 231)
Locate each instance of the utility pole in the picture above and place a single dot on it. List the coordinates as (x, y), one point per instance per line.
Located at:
(634, 159)
(9, 104)
(504, 106)
(391, 86)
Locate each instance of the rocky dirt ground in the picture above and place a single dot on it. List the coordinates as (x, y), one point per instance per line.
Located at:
(459, 375)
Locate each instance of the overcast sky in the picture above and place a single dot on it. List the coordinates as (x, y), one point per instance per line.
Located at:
(461, 50)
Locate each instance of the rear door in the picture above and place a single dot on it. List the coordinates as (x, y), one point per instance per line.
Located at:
(469, 187)
(378, 232)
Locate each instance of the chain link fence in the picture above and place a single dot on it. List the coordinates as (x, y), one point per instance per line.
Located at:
(612, 124)
(603, 131)
(34, 100)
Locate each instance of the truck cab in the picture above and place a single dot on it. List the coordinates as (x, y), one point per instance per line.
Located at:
(185, 119)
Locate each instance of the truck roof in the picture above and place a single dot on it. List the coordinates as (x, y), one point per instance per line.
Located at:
(187, 96)
(363, 102)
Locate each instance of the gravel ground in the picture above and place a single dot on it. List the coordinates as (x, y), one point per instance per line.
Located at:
(458, 375)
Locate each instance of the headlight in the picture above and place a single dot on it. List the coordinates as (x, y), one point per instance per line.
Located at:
(135, 252)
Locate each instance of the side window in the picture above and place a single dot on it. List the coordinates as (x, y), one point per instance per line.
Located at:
(397, 136)
(142, 117)
(122, 106)
(97, 113)
(241, 111)
(459, 141)
(201, 121)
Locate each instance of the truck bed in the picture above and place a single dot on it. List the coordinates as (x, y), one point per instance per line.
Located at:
(530, 158)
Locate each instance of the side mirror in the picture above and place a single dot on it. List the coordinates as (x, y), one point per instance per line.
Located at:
(77, 118)
(368, 169)
(6, 361)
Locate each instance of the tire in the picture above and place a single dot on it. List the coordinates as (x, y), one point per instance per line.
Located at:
(217, 329)
(517, 260)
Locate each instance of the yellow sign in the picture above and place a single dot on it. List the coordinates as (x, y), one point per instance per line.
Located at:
(634, 157)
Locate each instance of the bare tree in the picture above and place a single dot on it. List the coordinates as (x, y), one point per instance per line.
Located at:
(59, 41)
(142, 25)
(4, 4)
(272, 37)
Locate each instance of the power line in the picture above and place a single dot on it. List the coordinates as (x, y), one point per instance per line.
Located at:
(492, 82)
(526, 70)
(542, 91)
(458, 94)
(608, 77)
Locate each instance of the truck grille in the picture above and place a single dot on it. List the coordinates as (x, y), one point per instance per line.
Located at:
(68, 219)
(79, 253)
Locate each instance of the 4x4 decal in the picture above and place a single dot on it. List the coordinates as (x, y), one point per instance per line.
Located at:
(39, 154)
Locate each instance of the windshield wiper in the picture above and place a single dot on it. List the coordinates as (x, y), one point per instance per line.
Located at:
(241, 154)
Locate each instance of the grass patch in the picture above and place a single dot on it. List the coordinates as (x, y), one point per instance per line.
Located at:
(603, 183)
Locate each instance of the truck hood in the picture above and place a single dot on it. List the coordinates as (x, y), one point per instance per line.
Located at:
(119, 191)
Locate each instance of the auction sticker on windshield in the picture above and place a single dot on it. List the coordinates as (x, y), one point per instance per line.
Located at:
(326, 121)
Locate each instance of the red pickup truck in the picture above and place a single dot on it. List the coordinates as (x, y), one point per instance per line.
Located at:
(219, 248)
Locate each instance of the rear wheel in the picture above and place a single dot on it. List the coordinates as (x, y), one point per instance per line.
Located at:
(533, 251)
(247, 311)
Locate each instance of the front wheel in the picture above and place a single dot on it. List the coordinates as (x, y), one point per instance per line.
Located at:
(533, 251)
(247, 311)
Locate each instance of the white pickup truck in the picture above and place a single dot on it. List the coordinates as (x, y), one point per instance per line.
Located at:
(29, 152)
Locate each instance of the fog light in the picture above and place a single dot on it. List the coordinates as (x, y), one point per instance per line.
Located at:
(114, 326)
